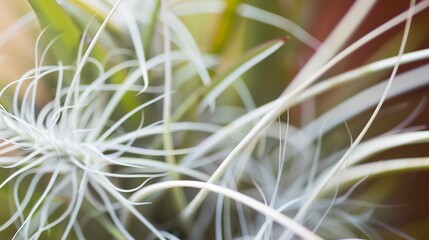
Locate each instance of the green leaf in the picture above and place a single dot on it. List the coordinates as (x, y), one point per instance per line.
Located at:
(59, 28)
(225, 25)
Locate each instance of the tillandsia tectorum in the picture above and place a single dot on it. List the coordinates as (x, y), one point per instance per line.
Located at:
(213, 119)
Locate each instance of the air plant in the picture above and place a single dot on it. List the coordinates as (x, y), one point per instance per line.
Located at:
(147, 119)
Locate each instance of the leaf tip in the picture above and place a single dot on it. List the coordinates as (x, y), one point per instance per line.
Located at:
(284, 38)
